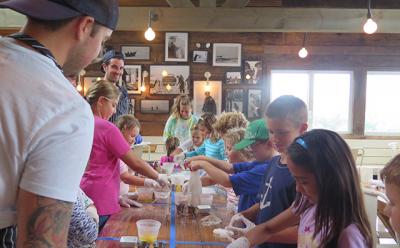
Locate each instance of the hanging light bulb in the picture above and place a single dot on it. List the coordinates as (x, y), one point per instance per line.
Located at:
(79, 88)
(248, 76)
(370, 25)
(168, 87)
(143, 88)
(164, 73)
(303, 51)
(150, 34)
(98, 79)
(207, 87)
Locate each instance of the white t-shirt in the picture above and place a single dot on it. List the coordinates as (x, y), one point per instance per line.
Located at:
(46, 130)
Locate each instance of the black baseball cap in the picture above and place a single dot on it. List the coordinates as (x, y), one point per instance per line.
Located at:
(111, 54)
(105, 12)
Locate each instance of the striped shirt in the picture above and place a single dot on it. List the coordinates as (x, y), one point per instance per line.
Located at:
(208, 148)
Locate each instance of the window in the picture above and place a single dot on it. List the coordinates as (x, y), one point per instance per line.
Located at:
(326, 93)
(382, 113)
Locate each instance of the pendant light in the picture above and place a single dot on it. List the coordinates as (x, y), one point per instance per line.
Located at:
(370, 25)
(303, 51)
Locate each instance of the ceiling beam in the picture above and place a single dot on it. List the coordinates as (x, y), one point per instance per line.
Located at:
(180, 3)
(235, 3)
(208, 3)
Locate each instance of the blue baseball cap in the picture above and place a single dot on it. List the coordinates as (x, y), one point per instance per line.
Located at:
(105, 12)
(111, 54)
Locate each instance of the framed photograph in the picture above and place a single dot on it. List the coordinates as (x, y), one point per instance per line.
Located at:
(227, 54)
(87, 81)
(252, 72)
(132, 76)
(169, 79)
(136, 52)
(200, 56)
(154, 106)
(207, 101)
(254, 104)
(176, 47)
(234, 99)
(234, 77)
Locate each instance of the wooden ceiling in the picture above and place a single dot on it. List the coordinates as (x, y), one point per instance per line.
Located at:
(379, 4)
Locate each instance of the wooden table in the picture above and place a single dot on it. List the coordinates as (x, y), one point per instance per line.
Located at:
(187, 230)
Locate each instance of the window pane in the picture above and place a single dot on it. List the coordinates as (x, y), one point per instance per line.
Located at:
(290, 83)
(331, 101)
(382, 113)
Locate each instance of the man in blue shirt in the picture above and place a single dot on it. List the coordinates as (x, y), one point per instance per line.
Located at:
(246, 177)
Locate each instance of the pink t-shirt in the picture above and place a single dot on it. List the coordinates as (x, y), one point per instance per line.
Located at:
(350, 237)
(101, 179)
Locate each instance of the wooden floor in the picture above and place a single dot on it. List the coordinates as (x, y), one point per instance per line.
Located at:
(187, 230)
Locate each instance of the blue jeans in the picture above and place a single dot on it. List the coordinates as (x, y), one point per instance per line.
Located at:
(102, 221)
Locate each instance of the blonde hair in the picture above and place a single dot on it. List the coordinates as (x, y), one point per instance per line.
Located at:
(171, 144)
(235, 135)
(127, 122)
(101, 88)
(229, 120)
(208, 120)
(391, 173)
(181, 100)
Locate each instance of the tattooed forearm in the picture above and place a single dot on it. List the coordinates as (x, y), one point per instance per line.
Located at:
(47, 223)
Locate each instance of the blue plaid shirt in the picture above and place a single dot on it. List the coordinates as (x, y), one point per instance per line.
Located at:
(123, 104)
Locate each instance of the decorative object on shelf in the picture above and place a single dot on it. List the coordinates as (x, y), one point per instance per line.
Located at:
(234, 99)
(254, 104)
(134, 52)
(154, 106)
(370, 25)
(227, 54)
(176, 47)
(176, 76)
(253, 71)
(200, 95)
(132, 77)
(208, 45)
(150, 34)
(233, 77)
(303, 53)
(198, 45)
(200, 56)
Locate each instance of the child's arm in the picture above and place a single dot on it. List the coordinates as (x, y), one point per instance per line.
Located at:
(199, 151)
(207, 181)
(183, 147)
(131, 179)
(220, 164)
(216, 174)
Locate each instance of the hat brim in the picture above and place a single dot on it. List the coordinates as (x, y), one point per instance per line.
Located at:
(243, 144)
(40, 9)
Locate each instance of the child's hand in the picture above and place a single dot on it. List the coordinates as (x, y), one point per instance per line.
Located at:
(196, 165)
(241, 242)
(195, 158)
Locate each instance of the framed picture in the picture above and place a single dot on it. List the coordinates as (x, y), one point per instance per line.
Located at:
(234, 99)
(252, 72)
(227, 54)
(131, 106)
(87, 82)
(176, 47)
(136, 52)
(200, 56)
(254, 104)
(201, 99)
(234, 77)
(132, 76)
(154, 106)
(169, 79)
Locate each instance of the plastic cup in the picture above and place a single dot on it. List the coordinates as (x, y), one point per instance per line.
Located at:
(148, 230)
(162, 196)
(145, 194)
(206, 199)
(168, 168)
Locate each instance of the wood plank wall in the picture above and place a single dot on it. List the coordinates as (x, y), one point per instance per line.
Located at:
(327, 51)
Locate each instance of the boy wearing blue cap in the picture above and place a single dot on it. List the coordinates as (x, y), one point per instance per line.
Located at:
(245, 177)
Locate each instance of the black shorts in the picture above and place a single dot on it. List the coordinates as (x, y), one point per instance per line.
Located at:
(8, 237)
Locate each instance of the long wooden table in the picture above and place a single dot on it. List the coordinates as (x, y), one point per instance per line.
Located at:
(176, 230)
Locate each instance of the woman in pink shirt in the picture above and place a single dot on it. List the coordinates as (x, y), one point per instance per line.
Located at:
(102, 176)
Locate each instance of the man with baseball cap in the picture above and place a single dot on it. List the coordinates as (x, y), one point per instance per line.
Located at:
(113, 63)
(245, 177)
(46, 127)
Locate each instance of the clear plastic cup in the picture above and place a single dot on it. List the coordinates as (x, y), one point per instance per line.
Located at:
(145, 194)
(162, 196)
(168, 167)
(206, 199)
(148, 230)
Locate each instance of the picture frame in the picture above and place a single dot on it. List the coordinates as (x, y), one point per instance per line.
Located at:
(234, 100)
(136, 52)
(87, 82)
(176, 76)
(154, 106)
(254, 97)
(199, 95)
(176, 46)
(253, 71)
(227, 54)
(131, 109)
(132, 76)
(200, 56)
(233, 77)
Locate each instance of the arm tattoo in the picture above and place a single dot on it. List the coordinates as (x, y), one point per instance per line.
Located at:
(48, 224)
